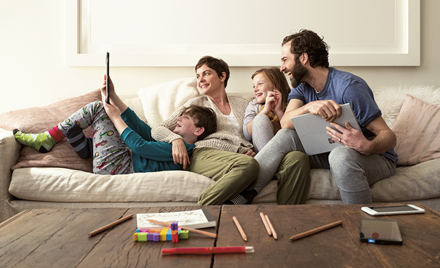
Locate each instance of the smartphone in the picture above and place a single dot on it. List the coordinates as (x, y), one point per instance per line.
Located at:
(380, 232)
(392, 210)
(107, 61)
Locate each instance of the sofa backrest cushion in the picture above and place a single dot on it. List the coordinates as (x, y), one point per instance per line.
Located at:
(40, 119)
(417, 128)
(161, 100)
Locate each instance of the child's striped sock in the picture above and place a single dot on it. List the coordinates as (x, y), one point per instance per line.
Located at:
(82, 145)
(42, 142)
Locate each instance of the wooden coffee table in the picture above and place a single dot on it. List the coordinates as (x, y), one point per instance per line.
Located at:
(59, 238)
(335, 247)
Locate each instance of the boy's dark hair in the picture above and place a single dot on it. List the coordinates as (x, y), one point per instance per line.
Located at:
(309, 42)
(204, 117)
(218, 65)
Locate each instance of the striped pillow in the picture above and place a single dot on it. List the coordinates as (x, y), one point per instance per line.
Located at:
(417, 128)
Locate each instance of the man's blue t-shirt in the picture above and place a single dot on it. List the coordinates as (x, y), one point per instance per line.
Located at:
(344, 87)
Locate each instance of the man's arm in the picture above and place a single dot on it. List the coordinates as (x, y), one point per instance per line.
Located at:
(385, 138)
(329, 110)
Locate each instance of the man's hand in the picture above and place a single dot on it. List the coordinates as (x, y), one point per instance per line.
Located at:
(180, 155)
(250, 153)
(350, 137)
(329, 110)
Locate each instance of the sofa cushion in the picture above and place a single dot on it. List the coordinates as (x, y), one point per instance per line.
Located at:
(40, 119)
(390, 99)
(418, 132)
(417, 182)
(66, 185)
(161, 100)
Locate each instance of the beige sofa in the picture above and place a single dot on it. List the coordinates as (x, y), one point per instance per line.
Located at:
(38, 186)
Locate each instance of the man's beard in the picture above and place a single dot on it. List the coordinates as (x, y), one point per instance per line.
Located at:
(298, 73)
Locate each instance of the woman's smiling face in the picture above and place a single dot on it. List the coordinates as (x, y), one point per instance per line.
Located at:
(208, 80)
(261, 86)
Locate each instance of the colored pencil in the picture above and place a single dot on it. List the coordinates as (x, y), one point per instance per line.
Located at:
(110, 225)
(243, 235)
(269, 232)
(208, 250)
(274, 234)
(184, 228)
(316, 230)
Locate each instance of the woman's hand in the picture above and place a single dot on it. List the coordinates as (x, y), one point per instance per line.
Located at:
(250, 153)
(180, 155)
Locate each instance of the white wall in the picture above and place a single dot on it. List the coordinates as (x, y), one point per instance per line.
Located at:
(33, 69)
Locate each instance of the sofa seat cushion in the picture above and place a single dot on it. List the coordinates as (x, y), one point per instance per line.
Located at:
(67, 185)
(418, 182)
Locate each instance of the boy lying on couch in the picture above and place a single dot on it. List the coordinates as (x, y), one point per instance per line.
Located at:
(116, 132)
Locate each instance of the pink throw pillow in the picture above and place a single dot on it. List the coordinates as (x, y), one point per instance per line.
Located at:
(417, 128)
(40, 119)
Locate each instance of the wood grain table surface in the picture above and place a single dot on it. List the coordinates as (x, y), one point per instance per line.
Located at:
(339, 246)
(59, 238)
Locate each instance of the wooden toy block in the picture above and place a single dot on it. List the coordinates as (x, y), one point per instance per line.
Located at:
(184, 234)
(156, 237)
(175, 238)
(142, 236)
(135, 237)
(163, 234)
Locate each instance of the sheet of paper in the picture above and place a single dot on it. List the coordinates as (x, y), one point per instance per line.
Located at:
(185, 218)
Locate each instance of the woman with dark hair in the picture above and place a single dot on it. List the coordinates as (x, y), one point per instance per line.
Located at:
(224, 156)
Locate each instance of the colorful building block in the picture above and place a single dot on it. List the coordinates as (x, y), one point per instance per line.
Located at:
(142, 236)
(163, 234)
(184, 234)
(166, 234)
(156, 237)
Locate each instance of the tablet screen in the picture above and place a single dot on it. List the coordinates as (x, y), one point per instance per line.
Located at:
(380, 231)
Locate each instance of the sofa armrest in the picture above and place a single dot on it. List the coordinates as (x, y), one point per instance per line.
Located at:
(9, 154)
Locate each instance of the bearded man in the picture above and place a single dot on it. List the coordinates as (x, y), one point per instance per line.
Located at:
(367, 155)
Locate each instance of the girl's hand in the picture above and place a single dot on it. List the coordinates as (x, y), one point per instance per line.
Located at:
(278, 101)
(270, 102)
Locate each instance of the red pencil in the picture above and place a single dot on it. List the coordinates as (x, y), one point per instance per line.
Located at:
(208, 250)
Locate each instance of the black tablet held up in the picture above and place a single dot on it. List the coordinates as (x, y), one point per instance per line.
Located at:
(107, 61)
(380, 232)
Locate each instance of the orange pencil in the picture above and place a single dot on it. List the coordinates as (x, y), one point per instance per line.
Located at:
(316, 230)
(274, 234)
(243, 235)
(269, 232)
(110, 225)
(184, 228)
